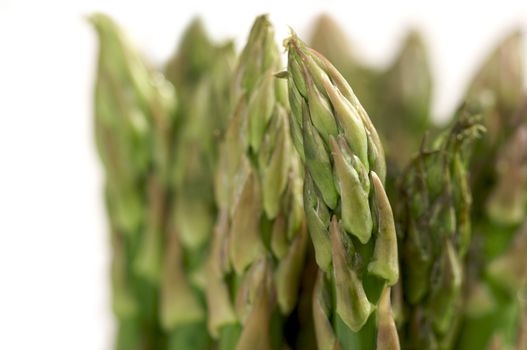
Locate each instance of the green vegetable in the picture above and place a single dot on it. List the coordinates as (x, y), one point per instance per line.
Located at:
(435, 221)
(133, 123)
(260, 239)
(348, 213)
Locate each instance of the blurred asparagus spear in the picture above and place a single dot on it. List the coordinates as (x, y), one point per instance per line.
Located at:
(403, 108)
(435, 232)
(496, 90)
(200, 61)
(201, 71)
(133, 120)
(499, 175)
(498, 264)
(500, 78)
(329, 39)
(258, 249)
(349, 216)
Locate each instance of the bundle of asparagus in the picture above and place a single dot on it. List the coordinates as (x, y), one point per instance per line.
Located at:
(254, 211)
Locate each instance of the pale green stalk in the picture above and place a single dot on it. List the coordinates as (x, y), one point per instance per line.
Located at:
(402, 109)
(201, 71)
(499, 183)
(133, 120)
(434, 214)
(349, 216)
(259, 243)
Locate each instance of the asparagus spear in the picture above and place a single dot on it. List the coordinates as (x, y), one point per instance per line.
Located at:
(349, 216)
(435, 220)
(402, 110)
(496, 90)
(499, 185)
(259, 242)
(201, 71)
(133, 119)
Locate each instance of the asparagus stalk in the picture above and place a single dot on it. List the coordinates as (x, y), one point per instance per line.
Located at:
(192, 59)
(498, 265)
(402, 110)
(499, 185)
(500, 77)
(521, 342)
(133, 119)
(435, 221)
(201, 71)
(496, 90)
(259, 242)
(348, 214)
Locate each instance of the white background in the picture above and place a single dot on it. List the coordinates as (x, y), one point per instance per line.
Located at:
(53, 242)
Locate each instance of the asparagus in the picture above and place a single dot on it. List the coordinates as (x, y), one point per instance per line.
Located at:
(500, 77)
(402, 110)
(193, 58)
(499, 185)
(259, 241)
(521, 342)
(205, 197)
(435, 221)
(496, 90)
(201, 71)
(133, 118)
(349, 217)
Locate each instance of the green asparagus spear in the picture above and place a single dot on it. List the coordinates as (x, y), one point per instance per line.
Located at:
(201, 71)
(133, 119)
(435, 221)
(348, 213)
(498, 171)
(259, 242)
(402, 110)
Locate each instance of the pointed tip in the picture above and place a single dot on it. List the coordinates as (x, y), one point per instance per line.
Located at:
(195, 30)
(282, 74)
(414, 35)
(90, 18)
(387, 337)
(324, 18)
(377, 183)
(196, 21)
(516, 34)
(293, 41)
(262, 21)
(98, 19)
(195, 27)
(333, 144)
(94, 19)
